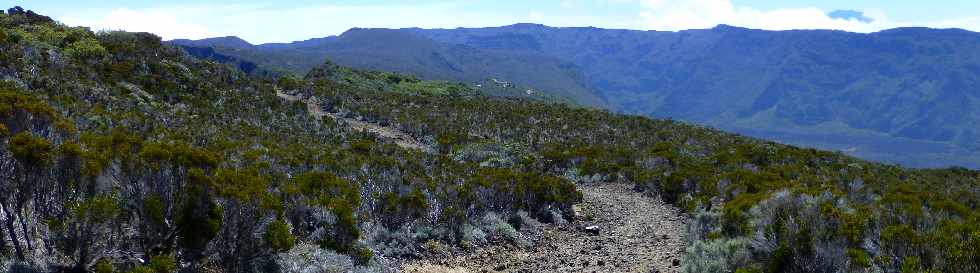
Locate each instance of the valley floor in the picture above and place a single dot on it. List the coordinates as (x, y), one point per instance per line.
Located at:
(637, 233)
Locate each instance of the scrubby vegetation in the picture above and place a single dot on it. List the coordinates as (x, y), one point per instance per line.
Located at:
(762, 206)
(117, 149)
(121, 154)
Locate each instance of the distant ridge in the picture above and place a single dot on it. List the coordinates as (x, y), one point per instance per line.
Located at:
(905, 95)
(405, 52)
(872, 95)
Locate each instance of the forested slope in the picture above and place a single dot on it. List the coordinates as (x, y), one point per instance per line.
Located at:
(122, 154)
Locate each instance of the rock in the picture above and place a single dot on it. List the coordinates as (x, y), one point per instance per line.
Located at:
(592, 230)
(676, 262)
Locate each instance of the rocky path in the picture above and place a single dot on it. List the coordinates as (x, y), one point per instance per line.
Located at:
(398, 137)
(636, 233)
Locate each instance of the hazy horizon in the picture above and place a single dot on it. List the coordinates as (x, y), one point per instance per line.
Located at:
(196, 20)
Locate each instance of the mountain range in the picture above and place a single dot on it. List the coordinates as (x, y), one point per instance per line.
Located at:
(404, 52)
(907, 95)
(122, 153)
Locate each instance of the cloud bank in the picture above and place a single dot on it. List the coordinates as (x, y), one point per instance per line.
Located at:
(698, 14)
(675, 15)
(263, 23)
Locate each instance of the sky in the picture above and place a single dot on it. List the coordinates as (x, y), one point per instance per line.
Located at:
(285, 21)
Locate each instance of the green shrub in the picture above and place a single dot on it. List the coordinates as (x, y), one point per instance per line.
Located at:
(748, 270)
(289, 83)
(734, 217)
(86, 49)
(99, 209)
(163, 264)
(198, 221)
(361, 255)
(241, 185)
(103, 266)
(30, 150)
(858, 258)
(278, 237)
(154, 209)
(141, 269)
(911, 264)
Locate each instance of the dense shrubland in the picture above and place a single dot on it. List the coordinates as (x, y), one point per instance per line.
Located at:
(761, 206)
(121, 154)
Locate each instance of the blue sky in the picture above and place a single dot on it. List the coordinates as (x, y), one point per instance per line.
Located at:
(276, 21)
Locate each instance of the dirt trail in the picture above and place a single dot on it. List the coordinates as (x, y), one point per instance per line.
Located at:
(398, 137)
(637, 234)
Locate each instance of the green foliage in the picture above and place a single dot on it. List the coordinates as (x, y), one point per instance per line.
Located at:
(341, 197)
(154, 208)
(328, 190)
(859, 258)
(399, 209)
(911, 265)
(163, 264)
(278, 237)
(362, 255)
(242, 185)
(12, 100)
(142, 269)
(99, 209)
(289, 83)
(748, 270)
(104, 266)
(30, 150)
(198, 221)
(86, 49)
(734, 215)
(179, 153)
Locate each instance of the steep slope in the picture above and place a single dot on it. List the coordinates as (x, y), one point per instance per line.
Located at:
(402, 52)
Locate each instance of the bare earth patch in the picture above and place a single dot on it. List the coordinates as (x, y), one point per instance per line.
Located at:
(636, 233)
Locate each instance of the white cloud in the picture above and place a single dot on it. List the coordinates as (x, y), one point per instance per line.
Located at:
(536, 16)
(699, 14)
(262, 23)
(269, 23)
(161, 22)
(675, 15)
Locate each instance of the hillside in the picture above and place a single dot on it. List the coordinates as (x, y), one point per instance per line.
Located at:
(121, 153)
(906, 95)
(402, 52)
